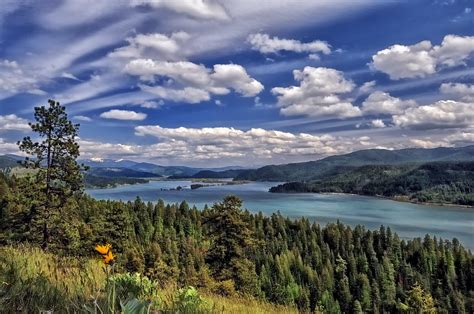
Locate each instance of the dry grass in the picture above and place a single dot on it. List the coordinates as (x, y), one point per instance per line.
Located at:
(32, 281)
(250, 306)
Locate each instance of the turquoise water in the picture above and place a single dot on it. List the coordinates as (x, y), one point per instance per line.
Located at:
(408, 220)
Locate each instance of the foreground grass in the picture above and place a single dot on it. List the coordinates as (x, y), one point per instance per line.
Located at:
(32, 281)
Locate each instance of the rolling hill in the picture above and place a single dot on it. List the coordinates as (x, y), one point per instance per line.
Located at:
(435, 182)
(334, 165)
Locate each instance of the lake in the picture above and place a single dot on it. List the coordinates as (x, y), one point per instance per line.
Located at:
(408, 220)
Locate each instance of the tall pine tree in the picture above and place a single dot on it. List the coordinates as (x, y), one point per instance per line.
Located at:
(58, 176)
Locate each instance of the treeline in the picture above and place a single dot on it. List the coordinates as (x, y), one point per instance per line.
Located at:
(91, 181)
(230, 251)
(436, 182)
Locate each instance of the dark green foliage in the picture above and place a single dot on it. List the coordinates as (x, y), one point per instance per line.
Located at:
(231, 242)
(284, 261)
(117, 172)
(334, 165)
(57, 175)
(210, 174)
(439, 182)
(92, 181)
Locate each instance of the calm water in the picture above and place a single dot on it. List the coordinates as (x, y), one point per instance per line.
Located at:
(408, 220)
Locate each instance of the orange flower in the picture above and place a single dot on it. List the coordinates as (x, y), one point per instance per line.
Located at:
(108, 258)
(103, 249)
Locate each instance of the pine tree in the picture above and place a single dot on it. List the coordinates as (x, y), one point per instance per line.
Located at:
(231, 236)
(58, 175)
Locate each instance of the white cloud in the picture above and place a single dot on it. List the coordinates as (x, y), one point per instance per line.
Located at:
(266, 44)
(152, 104)
(463, 137)
(8, 147)
(428, 143)
(157, 46)
(14, 79)
(320, 94)
(123, 115)
(69, 76)
(382, 103)
(202, 9)
(193, 82)
(188, 94)
(229, 144)
(422, 59)
(441, 114)
(13, 122)
(82, 118)
(377, 123)
(235, 77)
(367, 87)
(462, 91)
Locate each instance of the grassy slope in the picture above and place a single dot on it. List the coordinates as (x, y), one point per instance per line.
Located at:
(32, 279)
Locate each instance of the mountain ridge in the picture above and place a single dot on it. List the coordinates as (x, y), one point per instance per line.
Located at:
(337, 164)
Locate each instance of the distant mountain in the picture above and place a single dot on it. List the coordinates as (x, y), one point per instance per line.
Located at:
(165, 170)
(210, 174)
(116, 172)
(333, 165)
(8, 161)
(436, 182)
(101, 163)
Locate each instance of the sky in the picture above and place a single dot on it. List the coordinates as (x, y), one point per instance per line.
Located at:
(215, 83)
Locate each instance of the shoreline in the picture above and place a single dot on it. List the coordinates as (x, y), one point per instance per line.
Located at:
(395, 199)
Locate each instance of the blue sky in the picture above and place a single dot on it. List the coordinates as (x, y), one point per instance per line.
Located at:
(213, 83)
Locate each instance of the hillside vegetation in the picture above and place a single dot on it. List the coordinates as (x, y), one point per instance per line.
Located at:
(229, 252)
(333, 165)
(34, 280)
(437, 182)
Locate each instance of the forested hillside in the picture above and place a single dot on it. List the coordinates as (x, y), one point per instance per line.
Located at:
(210, 174)
(334, 165)
(229, 251)
(437, 182)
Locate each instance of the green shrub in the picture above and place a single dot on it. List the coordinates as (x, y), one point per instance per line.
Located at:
(188, 300)
(133, 286)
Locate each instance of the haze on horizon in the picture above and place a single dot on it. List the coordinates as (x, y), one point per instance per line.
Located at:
(217, 83)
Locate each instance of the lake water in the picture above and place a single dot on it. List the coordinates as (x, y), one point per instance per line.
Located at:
(408, 220)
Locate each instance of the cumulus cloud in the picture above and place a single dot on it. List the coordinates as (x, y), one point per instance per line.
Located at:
(377, 123)
(382, 103)
(193, 82)
(8, 147)
(461, 91)
(422, 59)
(13, 122)
(441, 114)
(232, 144)
(320, 94)
(428, 143)
(266, 44)
(123, 115)
(201, 9)
(367, 87)
(158, 46)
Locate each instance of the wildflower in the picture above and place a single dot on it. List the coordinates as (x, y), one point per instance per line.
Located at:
(108, 258)
(103, 249)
